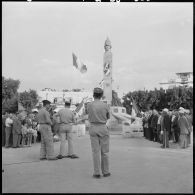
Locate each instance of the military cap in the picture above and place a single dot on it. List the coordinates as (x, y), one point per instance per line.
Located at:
(46, 102)
(68, 100)
(98, 90)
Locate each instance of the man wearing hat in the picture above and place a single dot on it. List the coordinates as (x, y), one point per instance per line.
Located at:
(98, 114)
(47, 146)
(166, 127)
(66, 120)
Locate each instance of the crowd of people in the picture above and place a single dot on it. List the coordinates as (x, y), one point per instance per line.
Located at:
(166, 126)
(19, 130)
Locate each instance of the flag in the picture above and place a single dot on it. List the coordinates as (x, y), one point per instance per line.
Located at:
(107, 69)
(135, 107)
(78, 64)
(133, 113)
(101, 83)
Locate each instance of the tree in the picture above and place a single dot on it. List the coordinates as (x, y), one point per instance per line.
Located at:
(28, 99)
(160, 99)
(9, 94)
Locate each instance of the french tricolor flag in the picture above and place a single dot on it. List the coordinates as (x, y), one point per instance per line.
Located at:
(78, 64)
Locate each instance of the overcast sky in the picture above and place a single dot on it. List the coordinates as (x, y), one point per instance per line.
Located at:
(150, 42)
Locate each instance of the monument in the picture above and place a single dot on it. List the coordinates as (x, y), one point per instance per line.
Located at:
(107, 72)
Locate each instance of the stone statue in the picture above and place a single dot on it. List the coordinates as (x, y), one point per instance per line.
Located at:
(107, 71)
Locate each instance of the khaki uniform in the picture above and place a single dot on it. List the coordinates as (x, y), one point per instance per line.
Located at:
(47, 146)
(66, 119)
(98, 113)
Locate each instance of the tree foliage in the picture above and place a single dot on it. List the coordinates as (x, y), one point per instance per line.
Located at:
(28, 99)
(10, 94)
(159, 99)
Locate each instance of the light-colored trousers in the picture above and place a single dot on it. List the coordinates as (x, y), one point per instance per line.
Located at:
(183, 140)
(65, 132)
(47, 146)
(99, 136)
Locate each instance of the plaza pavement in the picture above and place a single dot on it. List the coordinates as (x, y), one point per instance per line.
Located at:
(136, 164)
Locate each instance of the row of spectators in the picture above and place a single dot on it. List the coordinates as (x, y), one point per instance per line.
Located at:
(168, 125)
(19, 130)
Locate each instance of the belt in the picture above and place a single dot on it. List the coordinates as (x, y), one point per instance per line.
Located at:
(66, 123)
(98, 123)
(44, 123)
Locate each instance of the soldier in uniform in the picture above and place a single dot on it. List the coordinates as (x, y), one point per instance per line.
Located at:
(98, 114)
(47, 146)
(66, 120)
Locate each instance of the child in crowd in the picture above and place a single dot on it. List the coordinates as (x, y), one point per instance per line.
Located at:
(30, 132)
(24, 134)
(34, 126)
(34, 136)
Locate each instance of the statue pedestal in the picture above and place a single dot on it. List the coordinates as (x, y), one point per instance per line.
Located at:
(81, 130)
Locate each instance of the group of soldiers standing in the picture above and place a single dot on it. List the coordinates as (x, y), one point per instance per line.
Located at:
(98, 114)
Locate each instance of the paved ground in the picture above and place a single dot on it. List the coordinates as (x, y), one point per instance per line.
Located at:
(137, 166)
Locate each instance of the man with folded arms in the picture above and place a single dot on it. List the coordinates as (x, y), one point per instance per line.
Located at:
(47, 146)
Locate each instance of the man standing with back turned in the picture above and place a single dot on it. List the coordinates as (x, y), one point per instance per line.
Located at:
(47, 146)
(98, 114)
(66, 120)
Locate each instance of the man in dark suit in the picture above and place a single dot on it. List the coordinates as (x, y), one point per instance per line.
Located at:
(150, 131)
(166, 127)
(154, 124)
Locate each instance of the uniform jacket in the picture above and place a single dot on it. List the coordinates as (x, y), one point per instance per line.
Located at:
(44, 117)
(98, 112)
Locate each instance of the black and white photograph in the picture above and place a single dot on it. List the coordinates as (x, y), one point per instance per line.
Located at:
(97, 97)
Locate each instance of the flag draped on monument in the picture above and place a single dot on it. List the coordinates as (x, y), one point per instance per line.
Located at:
(78, 64)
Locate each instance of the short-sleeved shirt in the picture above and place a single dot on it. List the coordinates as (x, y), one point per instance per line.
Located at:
(66, 116)
(43, 117)
(8, 122)
(98, 112)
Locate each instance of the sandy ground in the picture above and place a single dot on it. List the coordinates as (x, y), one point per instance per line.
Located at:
(136, 164)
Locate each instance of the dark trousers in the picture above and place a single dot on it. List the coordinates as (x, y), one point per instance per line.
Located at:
(147, 133)
(144, 132)
(150, 134)
(158, 133)
(3, 135)
(8, 132)
(16, 140)
(176, 133)
(155, 136)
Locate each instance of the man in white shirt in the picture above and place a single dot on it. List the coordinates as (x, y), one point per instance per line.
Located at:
(8, 130)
